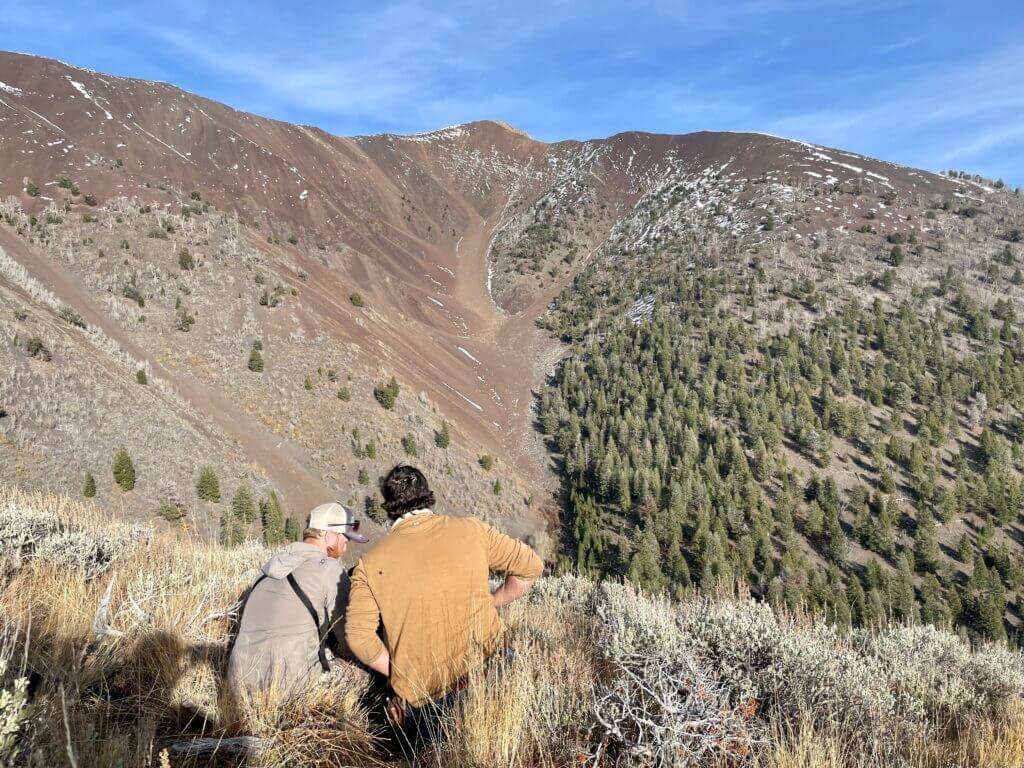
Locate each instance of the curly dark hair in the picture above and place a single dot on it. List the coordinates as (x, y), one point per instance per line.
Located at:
(405, 489)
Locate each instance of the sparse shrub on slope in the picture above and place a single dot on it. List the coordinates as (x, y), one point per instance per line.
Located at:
(660, 705)
(14, 713)
(938, 679)
(792, 671)
(29, 532)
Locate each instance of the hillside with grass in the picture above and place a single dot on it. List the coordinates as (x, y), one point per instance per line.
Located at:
(114, 643)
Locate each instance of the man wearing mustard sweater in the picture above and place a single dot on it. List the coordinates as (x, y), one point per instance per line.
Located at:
(427, 584)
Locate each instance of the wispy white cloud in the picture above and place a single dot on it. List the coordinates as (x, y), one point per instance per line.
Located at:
(948, 87)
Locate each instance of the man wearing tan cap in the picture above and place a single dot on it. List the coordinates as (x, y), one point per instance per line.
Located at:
(295, 606)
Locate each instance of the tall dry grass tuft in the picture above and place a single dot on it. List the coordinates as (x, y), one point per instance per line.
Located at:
(324, 726)
(528, 707)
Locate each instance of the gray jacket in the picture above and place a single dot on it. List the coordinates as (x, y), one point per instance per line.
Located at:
(277, 641)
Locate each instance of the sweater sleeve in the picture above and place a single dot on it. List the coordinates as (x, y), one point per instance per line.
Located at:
(363, 619)
(509, 556)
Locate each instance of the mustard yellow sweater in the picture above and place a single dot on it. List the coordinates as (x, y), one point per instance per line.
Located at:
(427, 582)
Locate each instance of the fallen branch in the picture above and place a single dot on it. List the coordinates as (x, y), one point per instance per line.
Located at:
(251, 746)
(100, 623)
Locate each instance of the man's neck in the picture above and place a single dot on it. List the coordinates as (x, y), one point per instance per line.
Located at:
(408, 515)
(318, 543)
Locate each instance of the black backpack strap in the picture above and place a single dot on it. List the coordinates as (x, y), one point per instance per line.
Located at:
(321, 629)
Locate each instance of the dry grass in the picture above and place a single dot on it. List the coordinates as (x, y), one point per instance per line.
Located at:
(156, 675)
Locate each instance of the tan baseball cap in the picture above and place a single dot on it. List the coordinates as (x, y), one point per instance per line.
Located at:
(336, 517)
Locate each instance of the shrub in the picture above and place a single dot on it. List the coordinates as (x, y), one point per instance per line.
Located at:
(208, 485)
(14, 714)
(387, 394)
(37, 349)
(185, 320)
(72, 317)
(124, 470)
(185, 261)
(356, 299)
(255, 363)
(140, 376)
(89, 486)
(31, 189)
(409, 445)
(375, 509)
(89, 200)
(170, 511)
(157, 233)
(293, 239)
(344, 395)
(496, 488)
(443, 438)
(486, 461)
(27, 533)
(659, 705)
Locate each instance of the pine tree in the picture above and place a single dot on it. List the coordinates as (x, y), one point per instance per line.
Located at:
(208, 485)
(256, 360)
(272, 518)
(242, 505)
(232, 532)
(934, 609)
(387, 394)
(292, 531)
(644, 566)
(89, 486)
(364, 476)
(140, 376)
(496, 487)
(926, 543)
(124, 470)
(443, 438)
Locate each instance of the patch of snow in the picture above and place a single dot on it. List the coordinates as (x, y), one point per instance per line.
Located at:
(10, 89)
(45, 120)
(304, 195)
(453, 389)
(87, 94)
(466, 352)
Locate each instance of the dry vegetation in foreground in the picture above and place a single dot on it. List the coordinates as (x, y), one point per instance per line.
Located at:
(603, 676)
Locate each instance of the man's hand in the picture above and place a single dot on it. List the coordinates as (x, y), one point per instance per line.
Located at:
(511, 590)
(382, 663)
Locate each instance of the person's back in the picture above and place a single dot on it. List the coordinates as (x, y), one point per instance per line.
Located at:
(429, 580)
(278, 644)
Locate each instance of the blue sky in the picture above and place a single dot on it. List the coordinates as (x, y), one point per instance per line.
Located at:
(935, 84)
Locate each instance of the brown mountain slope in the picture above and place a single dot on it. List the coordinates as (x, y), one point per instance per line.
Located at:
(456, 240)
